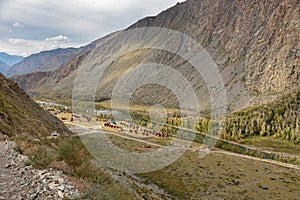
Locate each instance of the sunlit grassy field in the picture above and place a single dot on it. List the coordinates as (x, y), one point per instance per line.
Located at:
(220, 176)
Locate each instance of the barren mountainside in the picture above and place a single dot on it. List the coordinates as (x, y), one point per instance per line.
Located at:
(255, 44)
(261, 38)
(19, 115)
(43, 81)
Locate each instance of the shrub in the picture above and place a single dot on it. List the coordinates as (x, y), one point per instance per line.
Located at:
(19, 149)
(41, 158)
(72, 152)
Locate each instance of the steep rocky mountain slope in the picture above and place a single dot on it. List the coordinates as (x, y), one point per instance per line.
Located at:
(260, 38)
(4, 67)
(10, 59)
(254, 43)
(19, 115)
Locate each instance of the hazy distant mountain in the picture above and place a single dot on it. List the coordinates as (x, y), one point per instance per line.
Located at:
(255, 44)
(35, 62)
(4, 67)
(10, 59)
(47, 60)
(19, 115)
(38, 81)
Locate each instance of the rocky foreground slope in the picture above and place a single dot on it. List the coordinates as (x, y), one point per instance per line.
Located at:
(23, 182)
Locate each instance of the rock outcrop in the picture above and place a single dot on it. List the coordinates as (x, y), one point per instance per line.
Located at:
(18, 181)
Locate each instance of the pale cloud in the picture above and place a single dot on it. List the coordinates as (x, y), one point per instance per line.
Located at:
(17, 25)
(57, 38)
(59, 23)
(16, 41)
(28, 47)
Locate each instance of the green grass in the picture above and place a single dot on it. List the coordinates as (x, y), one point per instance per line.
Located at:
(274, 144)
(224, 177)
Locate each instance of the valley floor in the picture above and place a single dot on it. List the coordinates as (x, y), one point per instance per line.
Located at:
(220, 175)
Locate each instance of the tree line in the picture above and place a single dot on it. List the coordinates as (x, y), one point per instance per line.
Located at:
(279, 119)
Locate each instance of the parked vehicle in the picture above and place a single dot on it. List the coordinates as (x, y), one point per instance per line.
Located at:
(54, 134)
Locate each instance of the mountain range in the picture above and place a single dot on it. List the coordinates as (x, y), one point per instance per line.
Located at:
(48, 60)
(4, 67)
(254, 43)
(7, 60)
(10, 59)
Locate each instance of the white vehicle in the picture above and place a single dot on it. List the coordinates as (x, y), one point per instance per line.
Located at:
(54, 134)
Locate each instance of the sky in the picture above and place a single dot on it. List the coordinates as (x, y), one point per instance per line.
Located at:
(31, 26)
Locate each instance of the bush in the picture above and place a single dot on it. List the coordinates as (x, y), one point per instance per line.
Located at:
(41, 158)
(19, 149)
(72, 152)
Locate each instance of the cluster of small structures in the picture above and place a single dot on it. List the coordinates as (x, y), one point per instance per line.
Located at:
(65, 115)
(110, 125)
(79, 118)
(135, 129)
